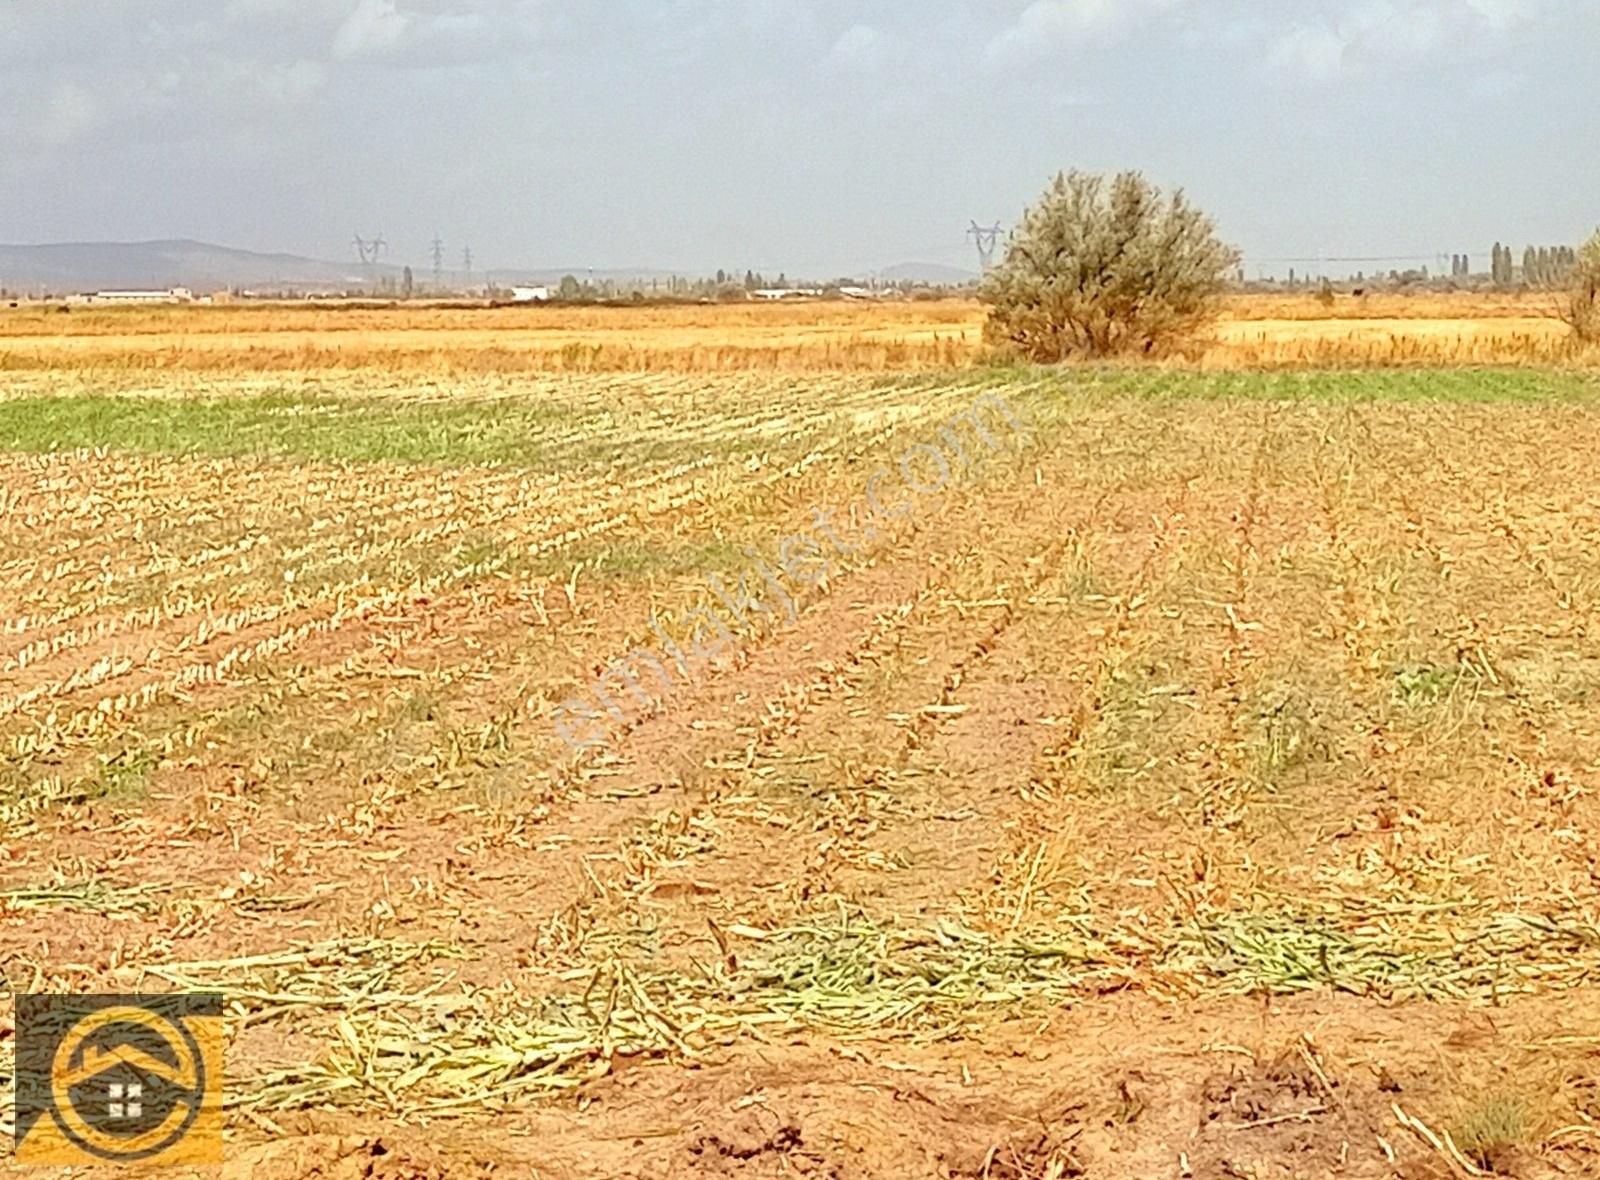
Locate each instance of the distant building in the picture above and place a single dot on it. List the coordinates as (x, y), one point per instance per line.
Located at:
(785, 292)
(530, 294)
(171, 295)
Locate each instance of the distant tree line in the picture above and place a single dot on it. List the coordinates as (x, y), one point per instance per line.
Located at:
(1542, 266)
(726, 286)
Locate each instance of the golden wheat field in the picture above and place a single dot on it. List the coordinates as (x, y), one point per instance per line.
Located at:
(764, 741)
(1266, 331)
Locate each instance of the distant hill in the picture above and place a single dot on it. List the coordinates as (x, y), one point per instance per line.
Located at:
(927, 272)
(62, 268)
(65, 267)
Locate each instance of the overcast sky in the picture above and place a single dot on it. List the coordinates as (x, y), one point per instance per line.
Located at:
(816, 136)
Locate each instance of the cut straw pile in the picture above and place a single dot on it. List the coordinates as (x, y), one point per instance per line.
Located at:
(420, 1049)
(1378, 955)
(403, 1035)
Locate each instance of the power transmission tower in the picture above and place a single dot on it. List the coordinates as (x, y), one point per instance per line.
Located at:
(438, 263)
(369, 251)
(466, 263)
(986, 238)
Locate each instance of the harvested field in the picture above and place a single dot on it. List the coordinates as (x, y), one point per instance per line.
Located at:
(1257, 331)
(1199, 780)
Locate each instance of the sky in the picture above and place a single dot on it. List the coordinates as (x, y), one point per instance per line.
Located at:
(817, 137)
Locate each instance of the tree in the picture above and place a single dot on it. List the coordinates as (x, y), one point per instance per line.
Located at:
(1098, 268)
(1579, 303)
(407, 284)
(569, 288)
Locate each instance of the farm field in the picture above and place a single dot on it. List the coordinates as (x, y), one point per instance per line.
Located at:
(1143, 772)
(1257, 331)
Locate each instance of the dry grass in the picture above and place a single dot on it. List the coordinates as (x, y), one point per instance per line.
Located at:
(690, 338)
(1391, 305)
(1255, 332)
(1379, 342)
(786, 320)
(1492, 1124)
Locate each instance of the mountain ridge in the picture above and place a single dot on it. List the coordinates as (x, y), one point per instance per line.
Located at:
(61, 268)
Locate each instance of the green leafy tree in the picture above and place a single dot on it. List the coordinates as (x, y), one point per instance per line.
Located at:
(1100, 267)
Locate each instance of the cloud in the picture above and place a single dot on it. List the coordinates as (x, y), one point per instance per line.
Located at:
(426, 34)
(860, 47)
(70, 113)
(1502, 14)
(287, 83)
(374, 29)
(1367, 33)
(1313, 52)
(233, 69)
(1045, 25)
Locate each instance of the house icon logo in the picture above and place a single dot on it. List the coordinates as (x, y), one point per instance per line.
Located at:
(119, 1078)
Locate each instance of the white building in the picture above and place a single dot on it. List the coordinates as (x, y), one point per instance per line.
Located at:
(530, 294)
(171, 295)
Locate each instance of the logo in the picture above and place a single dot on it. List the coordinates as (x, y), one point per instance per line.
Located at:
(119, 1078)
